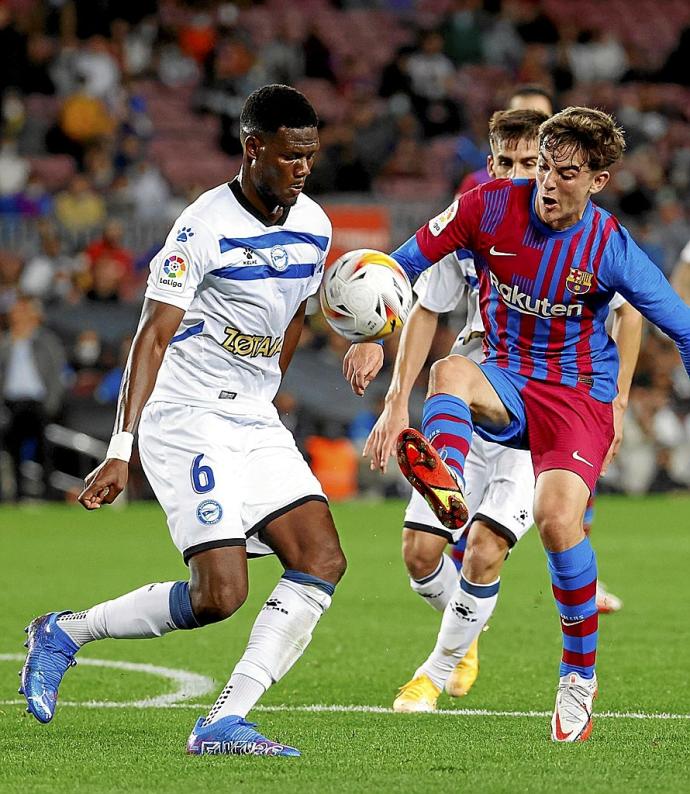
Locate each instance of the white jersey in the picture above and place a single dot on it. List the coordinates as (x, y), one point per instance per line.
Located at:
(240, 282)
(441, 288)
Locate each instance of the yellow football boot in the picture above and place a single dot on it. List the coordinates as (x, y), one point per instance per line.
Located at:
(419, 694)
(465, 673)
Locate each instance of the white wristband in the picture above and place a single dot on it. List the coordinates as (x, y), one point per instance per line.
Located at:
(120, 447)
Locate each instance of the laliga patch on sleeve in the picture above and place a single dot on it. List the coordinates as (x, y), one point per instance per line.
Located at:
(172, 275)
(439, 223)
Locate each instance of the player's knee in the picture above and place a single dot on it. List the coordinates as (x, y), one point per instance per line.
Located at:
(453, 375)
(419, 560)
(556, 523)
(217, 602)
(326, 562)
(484, 555)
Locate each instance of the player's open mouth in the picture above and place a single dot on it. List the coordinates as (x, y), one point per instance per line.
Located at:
(549, 202)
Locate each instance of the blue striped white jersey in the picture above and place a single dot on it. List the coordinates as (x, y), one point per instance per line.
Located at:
(240, 282)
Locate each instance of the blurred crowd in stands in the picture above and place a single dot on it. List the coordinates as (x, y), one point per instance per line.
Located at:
(115, 115)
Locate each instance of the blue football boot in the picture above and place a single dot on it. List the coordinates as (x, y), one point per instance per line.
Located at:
(51, 654)
(233, 736)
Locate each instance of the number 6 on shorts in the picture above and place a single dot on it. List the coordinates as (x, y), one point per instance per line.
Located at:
(203, 480)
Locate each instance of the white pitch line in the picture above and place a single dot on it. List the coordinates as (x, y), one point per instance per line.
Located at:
(336, 709)
(192, 685)
(189, 685)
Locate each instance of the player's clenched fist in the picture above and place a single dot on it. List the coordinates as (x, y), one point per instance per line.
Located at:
(104, 484)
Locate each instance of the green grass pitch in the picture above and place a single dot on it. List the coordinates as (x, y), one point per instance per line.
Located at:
(369, 643)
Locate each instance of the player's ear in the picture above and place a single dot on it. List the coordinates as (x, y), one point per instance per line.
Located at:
(252, 145)
(601, 179)
(490, 166)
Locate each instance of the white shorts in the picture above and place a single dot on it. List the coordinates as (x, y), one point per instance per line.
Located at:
(221, 478)
(499, 491)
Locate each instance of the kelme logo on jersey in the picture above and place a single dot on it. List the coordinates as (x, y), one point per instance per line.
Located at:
(251, 345)
(439, 223)
(537, 307)
(209, 512)
(173, 273)
(579, 281)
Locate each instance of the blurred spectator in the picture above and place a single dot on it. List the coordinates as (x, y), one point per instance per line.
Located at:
(432, 73)
(148, 191)
(317, 57)
(10, 272)
(463, 32)
(107, 277)
(79, 208)
(675, 69)
(597, 55)
(108, 389)
(110, 245)
(32, 361)
(84, 120)
(48, 275)
(36, 77)
(14, 170)
(283, 57)
(97, 71)
(35, 200)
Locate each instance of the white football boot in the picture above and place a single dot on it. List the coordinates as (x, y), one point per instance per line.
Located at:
(572, 717)
(607, 602)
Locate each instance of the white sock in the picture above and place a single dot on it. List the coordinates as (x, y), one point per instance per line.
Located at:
(437, 588)
(279, 636)
(142, 613)
(463, 618)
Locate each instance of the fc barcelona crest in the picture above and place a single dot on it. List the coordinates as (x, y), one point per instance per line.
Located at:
(579, 281)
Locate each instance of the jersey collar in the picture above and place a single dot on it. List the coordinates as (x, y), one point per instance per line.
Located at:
(236, 189)
(547, 231)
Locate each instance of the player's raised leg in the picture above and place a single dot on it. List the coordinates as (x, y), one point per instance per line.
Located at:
(560, 502)
(307, 545)
(434, 461)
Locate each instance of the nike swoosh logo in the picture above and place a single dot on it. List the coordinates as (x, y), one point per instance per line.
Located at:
(577, 456)
(559, 731)
(494, 252)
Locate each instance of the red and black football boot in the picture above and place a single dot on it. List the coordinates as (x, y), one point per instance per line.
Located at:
(426, 472)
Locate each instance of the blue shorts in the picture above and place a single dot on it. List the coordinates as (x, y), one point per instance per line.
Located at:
(508, 385)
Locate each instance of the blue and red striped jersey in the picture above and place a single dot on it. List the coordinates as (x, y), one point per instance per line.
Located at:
(544, 294)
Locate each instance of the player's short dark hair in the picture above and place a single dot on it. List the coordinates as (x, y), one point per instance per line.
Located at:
(512, 126)
(588, 131)
(274, 106)
(532, 89)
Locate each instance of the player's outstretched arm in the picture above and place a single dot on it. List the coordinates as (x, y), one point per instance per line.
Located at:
(157, 325)
(291, 338)
(415, 343)
(627, 334)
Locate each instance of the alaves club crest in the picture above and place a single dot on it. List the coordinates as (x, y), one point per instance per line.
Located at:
(579, 281)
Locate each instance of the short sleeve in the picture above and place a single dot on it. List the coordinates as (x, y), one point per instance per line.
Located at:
(179, 267)
(441, 287)
(316, 279)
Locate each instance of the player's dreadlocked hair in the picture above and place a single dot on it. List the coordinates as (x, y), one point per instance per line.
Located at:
(274, 106)
(511, 126)
(591, 132)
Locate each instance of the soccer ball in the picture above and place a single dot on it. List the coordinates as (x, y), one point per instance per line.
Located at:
(365, 295)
